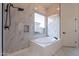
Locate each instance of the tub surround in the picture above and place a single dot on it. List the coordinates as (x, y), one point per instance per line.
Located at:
(45, 46)
(45, 41)
(38, 48)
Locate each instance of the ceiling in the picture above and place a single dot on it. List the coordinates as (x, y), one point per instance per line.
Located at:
(47, 5)
(47, 8)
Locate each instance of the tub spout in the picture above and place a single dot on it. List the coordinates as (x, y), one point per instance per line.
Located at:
(56, 38)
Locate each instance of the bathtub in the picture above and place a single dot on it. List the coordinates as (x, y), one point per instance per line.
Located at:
(45, 46)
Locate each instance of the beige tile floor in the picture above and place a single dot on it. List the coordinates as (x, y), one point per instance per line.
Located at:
(67, 51)
(64, 51)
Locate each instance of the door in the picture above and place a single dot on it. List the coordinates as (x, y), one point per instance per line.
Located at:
(69, 25)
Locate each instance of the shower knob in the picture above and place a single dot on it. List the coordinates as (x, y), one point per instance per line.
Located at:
(64, 32)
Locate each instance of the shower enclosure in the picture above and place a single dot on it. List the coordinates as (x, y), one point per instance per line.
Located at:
(16, 28)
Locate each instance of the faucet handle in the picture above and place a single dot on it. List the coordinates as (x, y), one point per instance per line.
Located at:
(56, 38)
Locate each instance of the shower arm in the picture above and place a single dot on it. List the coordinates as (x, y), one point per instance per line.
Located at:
(13, 6)
(19, 9)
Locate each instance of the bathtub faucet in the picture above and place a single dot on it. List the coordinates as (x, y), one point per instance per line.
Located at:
(55, 38)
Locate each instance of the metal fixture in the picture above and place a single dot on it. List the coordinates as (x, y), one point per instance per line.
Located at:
(8, 16)
(75, 24)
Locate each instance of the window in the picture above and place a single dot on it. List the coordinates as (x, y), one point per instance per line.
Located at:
(53, 26)
(39, 29)
(50, 28)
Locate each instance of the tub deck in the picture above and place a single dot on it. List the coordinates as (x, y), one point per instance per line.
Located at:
(45, 49)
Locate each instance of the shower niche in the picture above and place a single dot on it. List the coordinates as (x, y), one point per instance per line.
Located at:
(26, 28)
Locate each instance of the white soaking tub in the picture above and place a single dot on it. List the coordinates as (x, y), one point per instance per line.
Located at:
(45, 46)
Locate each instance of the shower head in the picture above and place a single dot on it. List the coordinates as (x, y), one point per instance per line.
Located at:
(20, 9)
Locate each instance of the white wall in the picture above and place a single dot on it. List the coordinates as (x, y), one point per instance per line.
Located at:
(0, 28)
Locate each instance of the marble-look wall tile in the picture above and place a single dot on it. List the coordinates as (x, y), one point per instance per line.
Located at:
(17, 39)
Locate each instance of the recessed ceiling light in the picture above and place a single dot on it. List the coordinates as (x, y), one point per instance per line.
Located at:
(58, 8)
(36, 8)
